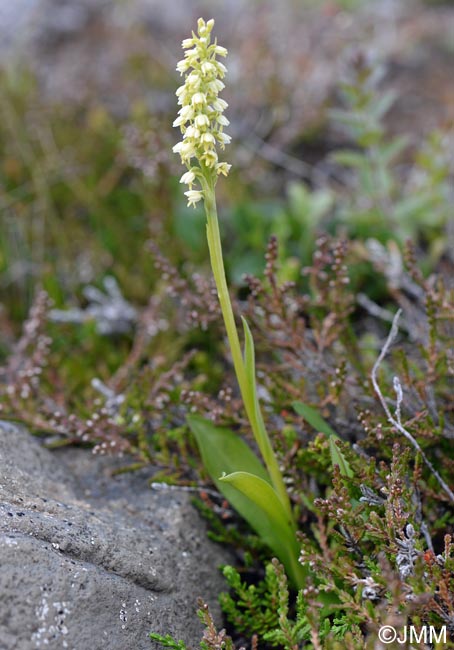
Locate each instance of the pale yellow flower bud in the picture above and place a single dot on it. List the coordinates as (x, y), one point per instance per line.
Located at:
(220, 51)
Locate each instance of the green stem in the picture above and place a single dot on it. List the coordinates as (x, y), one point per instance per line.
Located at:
(251, 405)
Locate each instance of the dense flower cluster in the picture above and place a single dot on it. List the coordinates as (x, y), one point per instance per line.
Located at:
(200, 117)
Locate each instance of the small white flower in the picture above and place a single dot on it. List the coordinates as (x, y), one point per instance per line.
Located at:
(194, 80)
(188, 178)
(187, 150)
(186, 112)
(222, 120)
(207, 68)
(216, 86)
(182, 66)
(199, 99)
(220, 105)
(221, 69)
(192, 132)
(191, 53)
(224, 138)
(194, 196)
(179, 121)
(201, 120)
(208, 138)
(188, 42)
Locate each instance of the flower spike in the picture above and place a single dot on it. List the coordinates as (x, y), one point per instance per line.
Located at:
(200, 118)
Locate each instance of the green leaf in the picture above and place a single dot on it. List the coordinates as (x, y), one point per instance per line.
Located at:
(249, 365)
(338, 458)
(314, 418)
(167, 641)
(252, 405)
(223, 451)
(272, 524)
(251, 400)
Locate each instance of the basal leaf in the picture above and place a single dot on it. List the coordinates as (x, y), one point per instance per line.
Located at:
(223, 451)
(272, 522)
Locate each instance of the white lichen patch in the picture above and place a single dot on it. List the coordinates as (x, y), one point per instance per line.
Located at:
(52, 622)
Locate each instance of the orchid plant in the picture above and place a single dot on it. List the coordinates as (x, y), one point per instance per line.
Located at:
(255, 489)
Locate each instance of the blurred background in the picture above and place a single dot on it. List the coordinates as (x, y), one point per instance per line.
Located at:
(341, 117)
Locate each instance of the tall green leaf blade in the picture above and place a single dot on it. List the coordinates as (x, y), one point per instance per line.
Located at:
(249, 366)
(251, 399)
(314, 418)
(251, 402)
(338, 458)
(273, 524)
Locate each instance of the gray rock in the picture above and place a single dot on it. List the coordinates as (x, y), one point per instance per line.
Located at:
(89, 561)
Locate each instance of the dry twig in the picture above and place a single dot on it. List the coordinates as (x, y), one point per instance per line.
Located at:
(396, 421)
